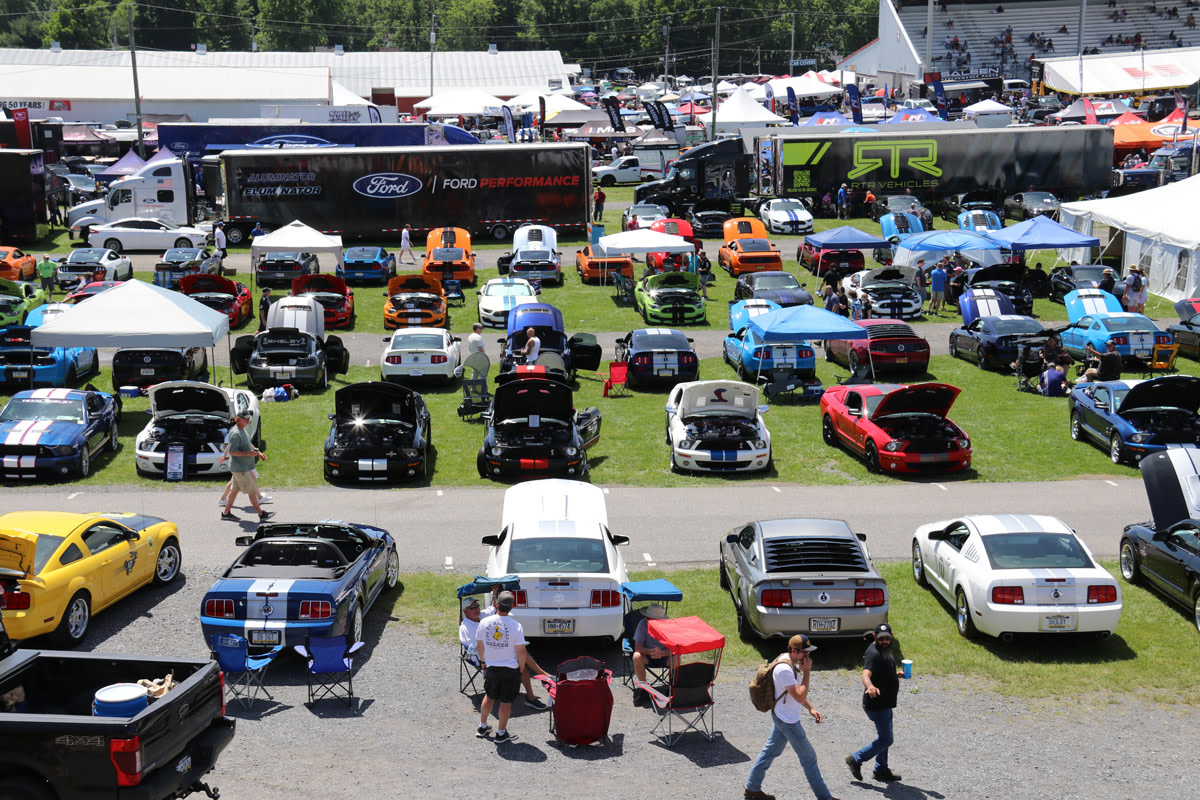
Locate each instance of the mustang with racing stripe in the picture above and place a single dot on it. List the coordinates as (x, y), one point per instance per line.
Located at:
(296, 580)
(52, 433)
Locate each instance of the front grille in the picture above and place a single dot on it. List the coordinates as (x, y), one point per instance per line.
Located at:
(26, 450)
(810, 554)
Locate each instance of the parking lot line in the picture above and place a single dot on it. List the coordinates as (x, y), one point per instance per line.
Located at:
(1110, 483)
(943, 488)
(449, 562)
(649, 561)
(777, 489)
(73, 495)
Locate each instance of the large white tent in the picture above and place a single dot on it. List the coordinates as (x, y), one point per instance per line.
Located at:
(741, 110)
(134, 314)
(1160, 233)
(803, 86)
(645, 240)
(528, 101)
(460, 102)
(1138, 71)
(297, 236)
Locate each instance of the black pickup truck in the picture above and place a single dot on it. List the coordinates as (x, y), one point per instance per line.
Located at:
(53, 748)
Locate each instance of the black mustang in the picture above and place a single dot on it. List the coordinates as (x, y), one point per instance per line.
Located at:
(380, 432)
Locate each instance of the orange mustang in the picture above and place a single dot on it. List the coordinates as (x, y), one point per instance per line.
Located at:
(594, 264)
(448, 255)
(17, 266)
(415, 300)
(747, 249)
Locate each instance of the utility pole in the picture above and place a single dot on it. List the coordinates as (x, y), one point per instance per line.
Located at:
(666, 50)
(137, 92)
(758, 60)
(792, 46)
(712, 132)
(929, 38)
(432, 42)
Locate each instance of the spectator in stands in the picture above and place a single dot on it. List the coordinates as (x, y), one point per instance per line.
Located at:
(1063, 30)
(1191, 21)
(1171, 36)
(1152, 8)
(1122, 15)
(999, 9)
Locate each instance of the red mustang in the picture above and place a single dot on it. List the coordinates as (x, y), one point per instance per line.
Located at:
(332, 293)
(893, 344)
(220, 294)
(896, 428)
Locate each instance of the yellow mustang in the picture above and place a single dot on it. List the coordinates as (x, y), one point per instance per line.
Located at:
(68, 565)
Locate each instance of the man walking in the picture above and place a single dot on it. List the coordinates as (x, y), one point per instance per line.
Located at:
(598, 204)
(475, 340)
(406, 246)
(881, 685)
(843, 202)
(219, 242)
(45, 271)
(264, 305)
(500, 645)
(790, 675)
(937, 288)
(242, 456)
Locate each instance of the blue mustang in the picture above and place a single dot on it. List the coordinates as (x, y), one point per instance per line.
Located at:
(991, 329)
(53, 433)
(785, 365)
(50, 366)
(367, 264)
(301, 579)
(979, 220)
(1137, 418)
(1096, 317)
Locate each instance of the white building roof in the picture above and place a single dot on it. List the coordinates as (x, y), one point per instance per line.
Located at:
(157, 82)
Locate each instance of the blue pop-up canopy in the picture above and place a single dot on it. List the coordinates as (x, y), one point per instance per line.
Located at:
(481, 585)
(804, 322)
(826, 118)
(659, 589)
(911, 115)
(934, 244)
(1041, 233)
(846, 237)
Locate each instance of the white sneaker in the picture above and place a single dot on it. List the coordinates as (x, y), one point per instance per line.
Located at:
(266, 498)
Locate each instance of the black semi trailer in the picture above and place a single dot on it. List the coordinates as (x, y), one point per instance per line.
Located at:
(23, 217)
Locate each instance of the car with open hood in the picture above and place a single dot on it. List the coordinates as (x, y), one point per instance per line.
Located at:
(746, 248)
(777, 365)
(900, 225)
(222, 294)
(810, 576)
(70, 566)
(786, 215)
(991, 341)
(299, 579)
(499, 296)
(145, 233)
(533, 430)
(672, 262)
(1066, 279)
(891, 345)
(415, 354)
(293, 349)
(778, 287)
(378, 432)
(646, 215)
(658, 356)
(1027, 205)
(180, 261)
(1133, 419)
(89, 291)
(281, 267)
(534, 256)
(87, 261)
(670, 297)
(415, 300)
(25, 366)
(1186, 332)
(1164, 551)
(717, 426)
(1008, 574)
(332, 293)
(55, 433)
(367, 263)
(16, 265)
(561, 357)
(1096, 318)
(891, 290)
(892, 203)
(17, 299)
(448, 254)
(896, 429)
(199, 417)
(708, 217)
(1007, 279)
(593, 263)
(146, 366)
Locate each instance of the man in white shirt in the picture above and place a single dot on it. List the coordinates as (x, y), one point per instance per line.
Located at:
(406, 246)
(467, 634)
(475, 340)
(500, 645)
(533, 346)
(219, 240)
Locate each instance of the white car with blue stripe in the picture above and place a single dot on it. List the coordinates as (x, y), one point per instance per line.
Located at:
(499, 296)
(717, 426)
(785, 215)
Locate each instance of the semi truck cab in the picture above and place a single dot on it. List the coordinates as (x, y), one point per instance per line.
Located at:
(161, 190)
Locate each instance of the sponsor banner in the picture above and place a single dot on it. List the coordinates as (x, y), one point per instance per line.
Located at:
(20, 118)
(1089, 112)
(509, 132)
(541, 116)
(613, 109)
(1181, 104)
(939, 95)
(855, 103)
(793, 107)
(770, 94)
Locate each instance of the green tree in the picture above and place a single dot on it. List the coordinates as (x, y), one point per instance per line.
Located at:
(20, 23)
(467, 24)
(225, 25)
(300, 24)
(78, 25)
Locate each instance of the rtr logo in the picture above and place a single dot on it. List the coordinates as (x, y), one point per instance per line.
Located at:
(388, 185)
(920, 154)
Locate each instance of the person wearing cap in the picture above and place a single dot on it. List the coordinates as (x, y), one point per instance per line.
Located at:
(243, 455)
(647, 651)
(881, 685)
(45, 271)
(500, 645)
(1108, 281)
(1135, 290)
(264, 305)
(467, 635)
(791, 676)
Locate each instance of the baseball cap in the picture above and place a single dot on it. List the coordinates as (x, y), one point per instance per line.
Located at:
(801, 642)
(883, 629)
(505, 601)
(245, 415)
(469, 601)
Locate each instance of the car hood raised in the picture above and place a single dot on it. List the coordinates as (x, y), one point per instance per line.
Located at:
(741, 312)
(997, 272)
(207, 284)
(17, 551)
(9, 287)
(374, 400)
(1171, 391)
(532, 397)
(727, 398)
(923, 398)
(320, 283)
(412, 283)
(894, 274)
(189, 397)
(673, 280)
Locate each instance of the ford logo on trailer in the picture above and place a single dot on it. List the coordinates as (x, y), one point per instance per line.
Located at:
(291, 140)
(392, 185)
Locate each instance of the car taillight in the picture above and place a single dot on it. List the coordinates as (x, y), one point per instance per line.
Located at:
(868, 597)
(437, 359)
(394, 360)
(776, 598)
(16, 601)
(1120, 340)
(126, 756)
(687, 359)
(1162, 339)
(316, 609)
(605, 598)
(1102, 594)
(803, 353)
(520, 598)
(221, 680)
(643, 361)
(1008, 595)
(221, 609)
(762, 352)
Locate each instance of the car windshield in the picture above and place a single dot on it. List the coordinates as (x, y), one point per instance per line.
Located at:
(788, 205)
(784, 281)
(65, 410)
(1088, 273)
(85, 257)
(557, 554)
(1039, 197)
(1007, 326)
(283, 256)
(417, 341)
(362, 253)
(535, 255)
(1134, 323)
(181, 254)
(166, 223)
(663, 341)
(755, 245)
(1036, 551)
(901, 203)
(508, 290)
(647, 211)
(447, 254)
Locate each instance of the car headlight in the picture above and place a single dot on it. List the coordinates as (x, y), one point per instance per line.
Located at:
(759, 444)
(410, 453)
(496, 451)
(63, 449)
(893, 446)
(686, 444)
(963, 444)
(1140, 437)
(572, 451)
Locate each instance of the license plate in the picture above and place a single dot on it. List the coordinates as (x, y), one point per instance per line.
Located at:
(558, 627)
(901, 360)
(183, 765)
(664, 373)
(1141, 352)
(416, 373)
(264, 637)
(22, 374)
(147, 370)
(1060, 622)
(282, 374)
(823, 624)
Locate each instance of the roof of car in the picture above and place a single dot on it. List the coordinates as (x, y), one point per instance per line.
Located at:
(992, 524)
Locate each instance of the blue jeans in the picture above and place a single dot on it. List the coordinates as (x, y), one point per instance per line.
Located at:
(878, 749)
(781, 734)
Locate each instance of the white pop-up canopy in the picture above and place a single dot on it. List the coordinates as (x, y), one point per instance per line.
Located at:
(134, 314)
(296, 236)
(741, 109)
(645, 241)
(460, 102)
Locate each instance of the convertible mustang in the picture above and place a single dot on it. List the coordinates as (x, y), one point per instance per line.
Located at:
(220, 294)
(1064, 280)
(199, 416)
(367, 264)
(533, 430)
(50, 366)
(380, 432)
(1137, 418)
(890, 345)
(658, 355)
(52, 433)
(1164, 552)
(896, 428)
(69, 566)
(812, 576)
(1015, 573)
(717, 426)
(670, 297)
(1096, 317)
(415, 300)
(297, 580)
(332, 293)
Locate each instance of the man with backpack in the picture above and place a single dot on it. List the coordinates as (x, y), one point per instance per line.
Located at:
(788, 687)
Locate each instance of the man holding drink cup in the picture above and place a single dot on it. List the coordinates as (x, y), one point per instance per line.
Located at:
(881, 684)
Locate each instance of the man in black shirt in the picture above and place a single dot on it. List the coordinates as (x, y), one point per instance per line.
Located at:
(264, 305)
(881, 682)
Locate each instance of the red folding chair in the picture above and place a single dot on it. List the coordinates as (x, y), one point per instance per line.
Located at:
(686, 698)
(618, 373)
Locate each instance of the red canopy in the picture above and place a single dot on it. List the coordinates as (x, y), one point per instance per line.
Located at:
(1128, 118)
(692, 108)
(685, 635)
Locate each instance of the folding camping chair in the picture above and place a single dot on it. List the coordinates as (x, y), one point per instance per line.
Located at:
(1162, 360)
(330, 666)
(244, 673)
(476, 397)
(686, 696)
(468, 660)
(660, 591)
(452, 289)
(581, 701)
(618, 375)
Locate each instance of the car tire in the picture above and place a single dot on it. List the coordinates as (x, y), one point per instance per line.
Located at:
(852, 362)
(71, 376)
(674, 464)
(95, 368)
(962, 615)
(19, 788)
(323, 379)
(1076, 426)
(168, 563)
(1196, 611)
(481, 463)
(391, 577)
(73, 627)
(499, 232)
(918, 565)
(113, 244)
(113, 444)
(1130, 568)
(723, 576)
(744, 631)
(871, 455)
(356, 623)
(828, 432)
(85, 462)
(1116, 450)
(607, 181)
(828, 351)
(183, 243)
(953, 347)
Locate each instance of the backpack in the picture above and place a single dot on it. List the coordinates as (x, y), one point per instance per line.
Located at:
(762, 685)
(1136, 283)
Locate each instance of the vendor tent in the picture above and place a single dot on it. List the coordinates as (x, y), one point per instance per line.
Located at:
(1128, 118)
(160, 154)
(1104, 110)
(826, 118)
(1137, 71)
(645, 241)
(907, 115)
(529, 101)
(460, 102)
(845, 238)
(1041, 233)
(741, 110)
(573, 119)
(803, 87)
(655, 139)
(600, 129)
(297, 236)
(804, 322)
(127, 164)
(134, 314)
(1149, 135)
(932, 245)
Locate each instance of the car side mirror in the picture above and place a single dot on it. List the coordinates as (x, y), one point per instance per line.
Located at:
(455, 339)
(501, 340)
(938, 536)
(1101, 406)
(618, 539)
(1161, 536)
(855, 412)
(731, 538)
(243, 541)
(386, 339)
(862, 537)
(332, 416)
(763, 409)
(490, 541)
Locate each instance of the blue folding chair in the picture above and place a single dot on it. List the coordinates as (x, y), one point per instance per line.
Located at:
(452, 288)
(244, 673)
(468, 660)
(330, 666)
(643, 593)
